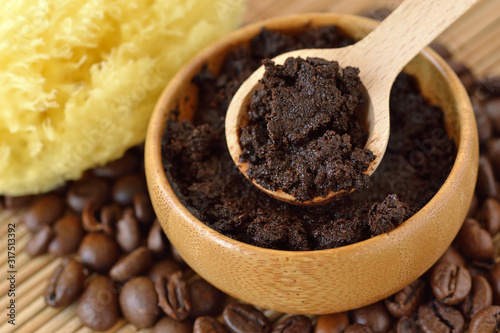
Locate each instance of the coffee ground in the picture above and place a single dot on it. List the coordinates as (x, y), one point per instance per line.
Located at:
(303, 136)
(197, 163)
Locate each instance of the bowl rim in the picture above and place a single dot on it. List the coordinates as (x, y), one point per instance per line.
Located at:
(156, 128)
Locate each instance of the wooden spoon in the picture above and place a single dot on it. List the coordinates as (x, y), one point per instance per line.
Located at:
(380, 57)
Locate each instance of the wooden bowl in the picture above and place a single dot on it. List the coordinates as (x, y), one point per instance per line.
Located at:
(326, 281)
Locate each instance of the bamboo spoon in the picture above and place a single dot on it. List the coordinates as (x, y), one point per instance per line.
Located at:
(380, 57)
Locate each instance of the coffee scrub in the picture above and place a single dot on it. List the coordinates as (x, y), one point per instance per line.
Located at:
(303, 136)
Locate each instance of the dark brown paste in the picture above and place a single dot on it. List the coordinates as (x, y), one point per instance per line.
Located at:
(418, 159)
(303, 136)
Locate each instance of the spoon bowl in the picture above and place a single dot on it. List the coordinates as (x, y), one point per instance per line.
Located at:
(325, 281)
(378, 128)
(380, 57)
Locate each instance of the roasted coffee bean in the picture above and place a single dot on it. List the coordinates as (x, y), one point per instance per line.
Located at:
(206, 300)
(169, 325)
(98, 252)
(68, 233)
(90, 222)
(143, 208)
(157, 241)
(358, 328)
(480, 267)
(488, 87)
(451, 255)
(127, 186)
(494, 280)
(98, 306)
(474, 241)
(126, 164)
(44, 211)
(493, 150)
(332, 323)
(139, 302)
(163, 268)
(483, 122)
(436, 317)
(490, 215)
(486, 320)
(133, 264)
(464, 73)
(66, 284)
(441, 50)
(39, 242)
(474, 205)
(17, 202)
(468, 80)
(109, 216)
(90, 189)
(241, 318)
(173, 295)
(486, 186)
(374, 316)
(406, 301)
(208, 325)
(294, 324)
(406, 325)
(492, 107)
(450, 283)
(128, 234)
(480, 297)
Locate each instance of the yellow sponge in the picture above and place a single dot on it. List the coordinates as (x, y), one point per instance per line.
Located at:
(79, 78)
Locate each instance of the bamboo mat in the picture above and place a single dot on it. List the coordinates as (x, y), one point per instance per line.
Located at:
(473, 40)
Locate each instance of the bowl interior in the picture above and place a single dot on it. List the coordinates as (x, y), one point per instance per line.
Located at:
(328, 280)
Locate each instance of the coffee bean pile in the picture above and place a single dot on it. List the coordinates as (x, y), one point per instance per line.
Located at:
(118, 262)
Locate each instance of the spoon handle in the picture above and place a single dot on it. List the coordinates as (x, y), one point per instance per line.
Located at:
(411, 27)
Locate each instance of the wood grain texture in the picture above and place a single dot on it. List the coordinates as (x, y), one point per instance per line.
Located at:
(473, 39)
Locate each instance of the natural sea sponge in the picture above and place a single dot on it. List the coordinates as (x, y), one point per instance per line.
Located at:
(79, 78)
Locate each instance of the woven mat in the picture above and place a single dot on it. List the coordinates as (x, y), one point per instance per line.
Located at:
(473, 40)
